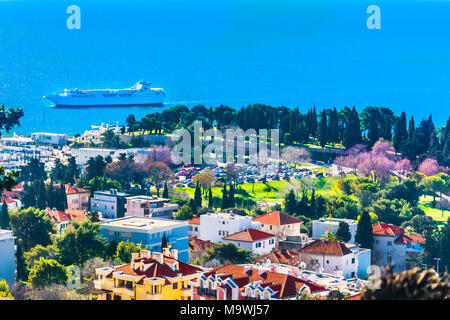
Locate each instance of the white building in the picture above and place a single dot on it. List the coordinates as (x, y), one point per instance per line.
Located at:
(194, 227)
(280, 224)
(110, 203)
(320, 227)
(331, 257)
(392, 246)
(56, 139)
(258, 242)
(7, 257)
(149, 206)
(215, 226)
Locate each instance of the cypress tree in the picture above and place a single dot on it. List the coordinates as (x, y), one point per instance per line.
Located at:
(290, 203)
(4, 218)
(343, 232)
(198, 196)
(373, 133)
(323, 134)
(163, 242)
(231, 203)
(224, 197)
(29, 197)
(166, 191)
(41, 196)
(364, 231)
(210, 199)
(193, 206)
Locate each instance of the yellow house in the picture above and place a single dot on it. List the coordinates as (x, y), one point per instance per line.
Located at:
(149, 276)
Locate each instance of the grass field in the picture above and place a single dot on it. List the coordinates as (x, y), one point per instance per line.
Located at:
(436, 214)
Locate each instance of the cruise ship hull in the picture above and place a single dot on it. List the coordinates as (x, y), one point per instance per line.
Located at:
(139, 94)
(85, 102)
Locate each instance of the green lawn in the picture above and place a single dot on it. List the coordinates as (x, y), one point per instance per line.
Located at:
(435, 213)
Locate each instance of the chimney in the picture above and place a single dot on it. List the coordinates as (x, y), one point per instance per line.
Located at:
(146, 254)
(174, 254)
(134, 256)
(158, 256)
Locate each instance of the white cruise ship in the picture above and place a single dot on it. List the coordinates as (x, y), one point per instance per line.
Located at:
(139, 94)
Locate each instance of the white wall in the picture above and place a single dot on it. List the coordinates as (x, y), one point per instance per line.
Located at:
(257, 247)
(348, 263)
(226, 224)
(383, 248)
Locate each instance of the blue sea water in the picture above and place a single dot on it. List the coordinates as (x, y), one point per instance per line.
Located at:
(234, 52)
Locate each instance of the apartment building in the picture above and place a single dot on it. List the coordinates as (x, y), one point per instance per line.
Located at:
(110, 203)
(77, 198)
(150, 232)
(149, 206)
(7, 257)
(149, 276)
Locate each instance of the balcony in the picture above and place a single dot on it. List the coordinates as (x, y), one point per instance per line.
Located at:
(124, 290)
(154, 296)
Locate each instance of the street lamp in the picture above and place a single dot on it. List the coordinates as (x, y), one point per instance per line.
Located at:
(437, 264)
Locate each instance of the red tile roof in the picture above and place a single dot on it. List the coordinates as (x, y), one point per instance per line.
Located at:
(285, 284)
(249, 235)
(354, 297)
(157, 269)
(282, 256)
(277, 218)
(77, 215)
(406, 238)
(383, 229)
(71, 189)
(334, 248)
(58, 216)
(194, 220)
(198, 245)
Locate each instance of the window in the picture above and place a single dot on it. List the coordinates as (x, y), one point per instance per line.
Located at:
(353, 260)
(175, 285)
(389, 243)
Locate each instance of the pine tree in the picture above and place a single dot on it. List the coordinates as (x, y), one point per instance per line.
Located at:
(4, 218)
(364, 231)
(198, 196)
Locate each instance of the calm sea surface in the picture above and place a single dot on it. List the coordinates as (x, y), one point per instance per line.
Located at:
(234, 52)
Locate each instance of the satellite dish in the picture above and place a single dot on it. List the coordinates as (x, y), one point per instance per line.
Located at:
(302, 265)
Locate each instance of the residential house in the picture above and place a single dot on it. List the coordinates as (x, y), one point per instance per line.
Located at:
(150, 232)
(281, 257)
(63, 219)
(149, 276)
(321, 226)
(149, 206)
(240, 282)
(110, 203)
(279, 224)
(258, 242)
(77, 198)
(7, 257)
(331, 257)
(215, 226)
(392, 246)
(197, 248)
